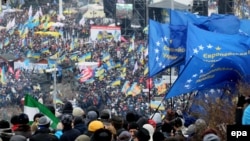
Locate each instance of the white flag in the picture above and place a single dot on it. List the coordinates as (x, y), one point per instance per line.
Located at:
(135, 67)
(30, 12)
(82, 21)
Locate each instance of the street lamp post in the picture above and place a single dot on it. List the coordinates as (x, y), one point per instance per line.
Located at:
(60, 16)
(54, 70)
(60, 8)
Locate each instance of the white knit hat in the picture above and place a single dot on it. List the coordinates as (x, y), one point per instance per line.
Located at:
(77, 112)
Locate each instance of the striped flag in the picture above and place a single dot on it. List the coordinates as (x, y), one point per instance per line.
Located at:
(1, 45)
(32, 107)
(3, 77)
(157, 104)
(86, 74)
(134, 90)
(18, 74)
(6, 41)
(135, 67)
(10, 70)
(88, 56)
(116, 83)
(125, 87)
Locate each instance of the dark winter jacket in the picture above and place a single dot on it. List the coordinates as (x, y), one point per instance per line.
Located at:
(70, 135)
(43, 134)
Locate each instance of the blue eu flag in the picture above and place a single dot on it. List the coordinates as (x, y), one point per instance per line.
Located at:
(178, 17)
(211, 46)
(244, 27)
(162, 53)
(221, 23)
(199, 74)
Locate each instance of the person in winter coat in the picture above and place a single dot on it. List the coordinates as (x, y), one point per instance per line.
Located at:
(69, 133)
(23, 128)
(79, 124)
(43, 133)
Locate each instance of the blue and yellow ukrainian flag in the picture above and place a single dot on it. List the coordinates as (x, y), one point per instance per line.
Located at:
(99, 72)
(88, 56)
(6, 41)
(74, 57)
(36, 55)
(3, 76)
(125, 87)
(45, 50)
(116, 83)
(105, 57)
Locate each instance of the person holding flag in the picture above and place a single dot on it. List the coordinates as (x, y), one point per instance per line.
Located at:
(43, 133)
(32, 107)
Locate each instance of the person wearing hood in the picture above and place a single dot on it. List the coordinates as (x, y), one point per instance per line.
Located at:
(157, 118)
(43, 133)
(150, 129)
(68, 108)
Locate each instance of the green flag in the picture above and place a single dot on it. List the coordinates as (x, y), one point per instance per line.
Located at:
(32, 107)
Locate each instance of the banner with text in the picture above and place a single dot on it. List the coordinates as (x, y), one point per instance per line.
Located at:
(108, 33)
(37, 67)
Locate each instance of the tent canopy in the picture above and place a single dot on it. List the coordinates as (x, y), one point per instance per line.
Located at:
(167, 4)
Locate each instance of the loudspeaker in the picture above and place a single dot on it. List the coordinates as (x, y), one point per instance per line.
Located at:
(226, 6)
(109, 8)
(155, 14)
(201, 7)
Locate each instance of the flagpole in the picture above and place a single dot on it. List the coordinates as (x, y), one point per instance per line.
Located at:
(170, 83)
(149, 96)
(172, 4)
(55, 88)
(0, 6)
(60, 8)
(156, 110)
(61, 17)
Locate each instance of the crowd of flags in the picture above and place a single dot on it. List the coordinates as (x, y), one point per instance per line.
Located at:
(209, 51)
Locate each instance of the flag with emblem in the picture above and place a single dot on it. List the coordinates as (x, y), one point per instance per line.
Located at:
(199, 74)
(162, 53)
(200, 44)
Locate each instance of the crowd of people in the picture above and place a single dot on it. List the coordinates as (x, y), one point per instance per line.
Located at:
(102, 110)
(77, 124)
(101, 93)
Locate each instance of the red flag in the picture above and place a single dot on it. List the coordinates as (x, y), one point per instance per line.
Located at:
(141, 79)
(18, 74)
(99, 62)
(149, 83)
(123, 39)
(10, 69)
(86, 74)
